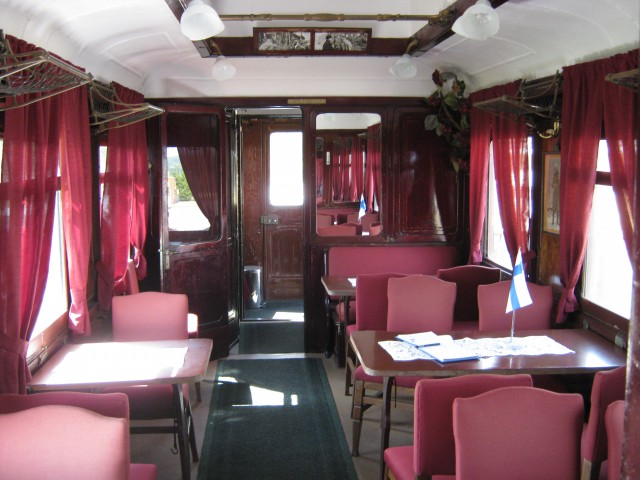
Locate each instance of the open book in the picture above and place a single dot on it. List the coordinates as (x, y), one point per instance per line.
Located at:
(424, 339)
(449, 352)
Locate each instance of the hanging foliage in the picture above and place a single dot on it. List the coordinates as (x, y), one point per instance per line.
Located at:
(452, 119)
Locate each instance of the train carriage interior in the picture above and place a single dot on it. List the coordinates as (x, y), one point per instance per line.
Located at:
(265, 167)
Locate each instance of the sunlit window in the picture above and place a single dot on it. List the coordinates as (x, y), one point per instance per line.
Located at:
(285, 169)
(55, 300)
(496, 247)
(184, 213)
(607, 274)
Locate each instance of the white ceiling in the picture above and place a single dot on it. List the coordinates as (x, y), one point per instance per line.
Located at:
(138, 43)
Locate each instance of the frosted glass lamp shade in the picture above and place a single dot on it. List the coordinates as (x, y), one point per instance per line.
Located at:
(223, 69)
(200, 21)
(404, 67)
(478, 22)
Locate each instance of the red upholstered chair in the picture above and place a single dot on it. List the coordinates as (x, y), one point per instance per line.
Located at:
(467, 278)
(336, 231)
(323, 220)
(68, 435)
(518, 432)
(371, 313)
(614, 421)
(416, 303)
(154, 316)
(433, 449)
(132, 287)
(369, 218)
(375, 229)
(608, 387)
(492, 303)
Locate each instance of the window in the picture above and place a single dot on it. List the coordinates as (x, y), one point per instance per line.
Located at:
(184, 213)
(285, 169)
(606, 273)
(495, 245)
(55, 300)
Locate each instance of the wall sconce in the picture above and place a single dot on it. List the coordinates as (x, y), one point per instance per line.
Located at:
(478, 22)
(223, 69)
(200, 21)
(405, 67)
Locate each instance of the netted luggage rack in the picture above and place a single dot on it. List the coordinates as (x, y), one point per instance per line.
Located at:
(109, 111)
(37, 72)
(538, 101)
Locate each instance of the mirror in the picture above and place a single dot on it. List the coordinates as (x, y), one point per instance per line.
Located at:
(348, 158)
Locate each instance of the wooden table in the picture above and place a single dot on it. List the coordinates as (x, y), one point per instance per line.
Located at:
(592, 354)
(118, 364)
(338, 286)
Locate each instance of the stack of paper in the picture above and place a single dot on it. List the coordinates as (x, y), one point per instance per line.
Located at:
(449, 352)
(424, 339)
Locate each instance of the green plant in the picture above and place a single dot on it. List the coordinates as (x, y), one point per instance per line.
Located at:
(452, 118)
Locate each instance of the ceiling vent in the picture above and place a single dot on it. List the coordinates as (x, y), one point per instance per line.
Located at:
(108, 111)
(36, 72)
(537, 101)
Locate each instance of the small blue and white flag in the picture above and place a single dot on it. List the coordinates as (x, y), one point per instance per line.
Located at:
(519, 293)
(363, 208)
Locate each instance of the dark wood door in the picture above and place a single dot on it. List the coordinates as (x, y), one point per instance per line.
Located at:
(272, 196)
(197, 242)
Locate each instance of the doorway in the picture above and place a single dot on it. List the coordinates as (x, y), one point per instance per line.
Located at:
(272, 227)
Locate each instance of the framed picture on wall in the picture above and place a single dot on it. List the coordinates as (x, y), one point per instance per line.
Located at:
(551, 194)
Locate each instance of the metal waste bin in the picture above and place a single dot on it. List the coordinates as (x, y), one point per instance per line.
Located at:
(252, 286)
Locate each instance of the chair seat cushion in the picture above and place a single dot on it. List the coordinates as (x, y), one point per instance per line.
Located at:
(400, 462)
(408, 381)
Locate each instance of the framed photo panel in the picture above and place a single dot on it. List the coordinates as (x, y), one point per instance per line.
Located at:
(315, 41)
(551, 194)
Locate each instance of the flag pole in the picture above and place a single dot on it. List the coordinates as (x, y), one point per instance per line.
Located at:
(513, 324)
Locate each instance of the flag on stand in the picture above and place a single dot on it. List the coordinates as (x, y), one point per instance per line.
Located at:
(363, 208)
(519, 293)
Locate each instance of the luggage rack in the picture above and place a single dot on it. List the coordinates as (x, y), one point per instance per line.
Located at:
(109, 111)
(34, 72)
(538, 101)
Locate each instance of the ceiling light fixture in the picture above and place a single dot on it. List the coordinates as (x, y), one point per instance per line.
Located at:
(200, 21)
(405, 67)
(478, 22)
(223, 69)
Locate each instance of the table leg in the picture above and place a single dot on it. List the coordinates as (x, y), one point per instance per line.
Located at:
(385, 420)
(183, 442)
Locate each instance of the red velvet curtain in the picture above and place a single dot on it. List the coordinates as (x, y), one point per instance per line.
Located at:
(27, 198)
(483, 125)
(620, 128)
(126, 153)
(511, 166)
(582, 116)
(201, 167)
(373, 180)
(75, 191)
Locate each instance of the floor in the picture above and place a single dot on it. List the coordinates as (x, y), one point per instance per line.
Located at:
(157, 449)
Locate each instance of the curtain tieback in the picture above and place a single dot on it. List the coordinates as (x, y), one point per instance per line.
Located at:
(13, 345)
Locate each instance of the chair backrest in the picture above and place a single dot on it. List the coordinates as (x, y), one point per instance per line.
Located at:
(64, 441)
(336, 230)
(467, 278)
(375, 229)
(608, 386)
(150, 316)
(518, 432)
(433, 444)
(131, 279)
(371, 300)
(107, 404)
(323, 220)
(615, 434)
(492, 303)
(420, 303)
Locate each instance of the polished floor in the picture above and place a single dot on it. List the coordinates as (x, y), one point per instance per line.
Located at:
(158, 448)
